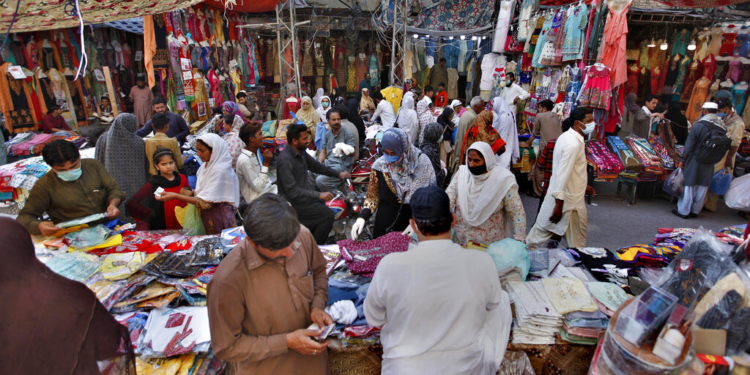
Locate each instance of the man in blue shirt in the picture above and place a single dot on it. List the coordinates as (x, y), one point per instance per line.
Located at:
(178, 128)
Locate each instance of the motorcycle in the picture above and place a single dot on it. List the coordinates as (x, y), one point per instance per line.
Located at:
(345, 207)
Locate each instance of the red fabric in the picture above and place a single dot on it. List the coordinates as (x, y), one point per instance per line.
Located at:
(291, 106)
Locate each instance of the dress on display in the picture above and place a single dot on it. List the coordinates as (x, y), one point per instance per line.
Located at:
(727, 46)
(735, 70)
(503, 24)
(714, 47)
(709, 66)
(681, 40)
(596, 91)
(633, 74)
(739, 92)
(575, 31)
(615, 51)
(697, 98)
(742, 44)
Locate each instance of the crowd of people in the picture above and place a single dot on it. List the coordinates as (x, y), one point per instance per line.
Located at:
(444, 176)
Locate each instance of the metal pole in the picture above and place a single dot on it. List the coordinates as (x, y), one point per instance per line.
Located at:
(295, 52)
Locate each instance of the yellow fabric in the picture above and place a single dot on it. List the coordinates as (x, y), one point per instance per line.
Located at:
(159, 366)
(309, 116)
(111, 241)
(393, 95)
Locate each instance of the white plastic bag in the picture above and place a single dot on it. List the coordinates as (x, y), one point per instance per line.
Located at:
(738, 195)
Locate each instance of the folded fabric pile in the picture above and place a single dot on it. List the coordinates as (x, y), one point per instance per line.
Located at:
(651, 161)
(646, 255)
(630, 162)
(678, 237)
(171, 332)
(666, 160)
(536, 321)
(17, 140)
(606, 163)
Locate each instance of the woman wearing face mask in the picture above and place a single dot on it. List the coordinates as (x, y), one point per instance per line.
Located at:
(325, 106)
(394, 178)
(317, 98)
(448, 120)
(433, 136)
(484, 197)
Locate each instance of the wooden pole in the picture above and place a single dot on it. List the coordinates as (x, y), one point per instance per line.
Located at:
(110, 90)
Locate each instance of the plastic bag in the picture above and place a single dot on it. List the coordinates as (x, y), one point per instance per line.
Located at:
(675, 183)
(721, 181)
(192, 220)
(88, 237)
(738, 195)
(509, 253)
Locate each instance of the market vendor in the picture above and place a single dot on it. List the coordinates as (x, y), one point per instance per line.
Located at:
(53, 121)
(75, 188)
(440, 307)
(178, 128)
(337, 152)
(384, 111)
(265, 294)
(394, 178)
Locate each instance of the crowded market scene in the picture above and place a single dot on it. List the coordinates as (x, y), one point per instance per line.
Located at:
(514, 187)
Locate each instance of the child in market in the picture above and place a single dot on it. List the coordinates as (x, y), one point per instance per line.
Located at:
(149, 213)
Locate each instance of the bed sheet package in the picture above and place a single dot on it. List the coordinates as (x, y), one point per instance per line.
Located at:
(172, 332)
(75, 265)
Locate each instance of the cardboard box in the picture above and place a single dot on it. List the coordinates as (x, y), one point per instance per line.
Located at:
(710, 341)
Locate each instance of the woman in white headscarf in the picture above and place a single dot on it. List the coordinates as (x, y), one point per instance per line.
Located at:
(407, 118)
(425, 116)
(325, 106)
(317, 98)
(505, 125)
(217, 191)
(485, 200)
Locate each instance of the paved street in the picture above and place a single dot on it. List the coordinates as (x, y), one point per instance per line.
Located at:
(613, 223)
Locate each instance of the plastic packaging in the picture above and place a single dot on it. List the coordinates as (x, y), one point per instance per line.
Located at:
(510, 254)
(208, 252)
(121, 266)
(721, 181)
(539, 260)
(675, 183)
(83, 220)
(738, 195)
(644, 315)
(88, 237)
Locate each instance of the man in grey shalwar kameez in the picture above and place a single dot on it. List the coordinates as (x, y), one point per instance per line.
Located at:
(697, 176)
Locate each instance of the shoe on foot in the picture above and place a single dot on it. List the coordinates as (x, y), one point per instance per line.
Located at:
(676, 213)
(692, 215)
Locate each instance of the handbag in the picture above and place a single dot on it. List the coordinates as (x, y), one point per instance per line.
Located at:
(363, 257)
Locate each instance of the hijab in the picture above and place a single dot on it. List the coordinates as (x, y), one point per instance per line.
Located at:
(630, 103)
(445, 118)
(480, 196)
(365, 84)
(366, 102)
(335, 94)
(123, 154)
(411, 171)
(231, 107)
(309, 116)
(317, 98)
(425, 116)
(505, 125)
(217, 181)
(233, 139)
(323, 112)
(51, 324)
(354, 118)
(678, 122)
(407, 119)
(430, 146)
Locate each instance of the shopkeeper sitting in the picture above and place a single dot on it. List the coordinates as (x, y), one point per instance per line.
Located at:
(53, 121)
(75, 188)
(178, 128)
(336, 152)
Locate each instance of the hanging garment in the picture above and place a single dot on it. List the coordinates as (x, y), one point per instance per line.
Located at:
(742, 45)
(735, 70)
(351, 74)
(671, 77)
(596, 91)
(15, 100)
(695, 72)
(714, 47)
(739, 92)
(615, 54)
(680, 43)
(503, 25)
(452, 83)
(633, 74)
(709, 66)
(727, 46)
(681, 75)
(77, 99)
(697, 98)
(527, 8)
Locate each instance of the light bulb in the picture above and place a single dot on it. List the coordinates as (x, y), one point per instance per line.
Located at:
(463, 37)
(474, 37)
(664, 46)
(416, 36)
(651, 44)
(484, 37)
(450, 37)
(691, 46)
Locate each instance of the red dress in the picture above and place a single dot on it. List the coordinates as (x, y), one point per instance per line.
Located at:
(144, 208)
(632, 84)
(727, 47)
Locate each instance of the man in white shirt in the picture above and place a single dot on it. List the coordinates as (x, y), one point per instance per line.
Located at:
(253, 176)
(384, 111)
(513, 92)
(563, 211)
(440, 306)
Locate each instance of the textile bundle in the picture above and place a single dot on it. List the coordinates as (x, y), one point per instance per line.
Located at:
(651, 161)
(630, 161)
(607, 164)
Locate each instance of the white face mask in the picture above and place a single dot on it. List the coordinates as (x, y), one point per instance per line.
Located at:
(589, 128)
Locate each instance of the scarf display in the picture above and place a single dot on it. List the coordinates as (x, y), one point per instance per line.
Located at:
(607, 164)
(480, 196)
(217, 181)
(630, 162)
(651, 161)
(410, 172)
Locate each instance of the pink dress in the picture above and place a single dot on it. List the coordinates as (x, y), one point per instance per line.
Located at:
(596, 91)
(615, 54)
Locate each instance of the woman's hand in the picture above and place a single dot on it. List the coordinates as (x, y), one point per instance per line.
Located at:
(167, 196)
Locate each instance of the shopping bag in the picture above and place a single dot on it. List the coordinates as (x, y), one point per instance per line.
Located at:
(721, 181)
(675, 183)
(191, 221)
(363, 257)
(738, 195)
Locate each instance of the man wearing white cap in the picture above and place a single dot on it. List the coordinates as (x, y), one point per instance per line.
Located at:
(697, 174)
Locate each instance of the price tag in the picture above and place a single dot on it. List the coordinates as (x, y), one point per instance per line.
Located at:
(187, 76)
(232, 63)
(138, 55)
(17, 72)
(211, 102)
(185, 64)
(99, 75)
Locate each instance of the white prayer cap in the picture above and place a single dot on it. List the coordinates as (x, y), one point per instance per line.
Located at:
(710, 105)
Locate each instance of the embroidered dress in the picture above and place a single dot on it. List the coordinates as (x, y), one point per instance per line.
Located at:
(695, 71)
(727, 47)
(596, 92)
(739, 94)
(697, 98)
(575, 30)
(615, 51)
(493, 229)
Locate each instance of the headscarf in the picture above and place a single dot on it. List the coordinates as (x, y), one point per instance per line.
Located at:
(308, 116)
(630, 103)
(505, 125)
(323, 112)
(480, 196)
(233, 140)
(123, 154)
(454, 103)
(445, 118)
(431, 148)
(335, 93)
(407, 119)
(482, 131)
(217, 181)
(678, 122)
(425, 116)
(365, 84)
(51, 324)
(354, 118)
(231, 107)
(317, 98)
(412, 171)
(366, 102)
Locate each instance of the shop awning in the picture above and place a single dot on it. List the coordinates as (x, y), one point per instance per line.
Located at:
(245, 6)
(35, 15)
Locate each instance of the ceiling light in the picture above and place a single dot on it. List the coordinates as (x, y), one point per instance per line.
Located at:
(416, 36)
(664, 46)
(463, 37)
(691, 46)
(450, 37)
(484, 37)
(651, 44)
(474, 37)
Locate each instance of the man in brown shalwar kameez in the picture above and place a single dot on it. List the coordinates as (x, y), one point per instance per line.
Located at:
(266, 292)
(141, 96)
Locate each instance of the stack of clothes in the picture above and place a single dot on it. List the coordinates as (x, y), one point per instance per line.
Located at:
(536, 320)
(606, 164)
(645, 152)
(630, 162)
